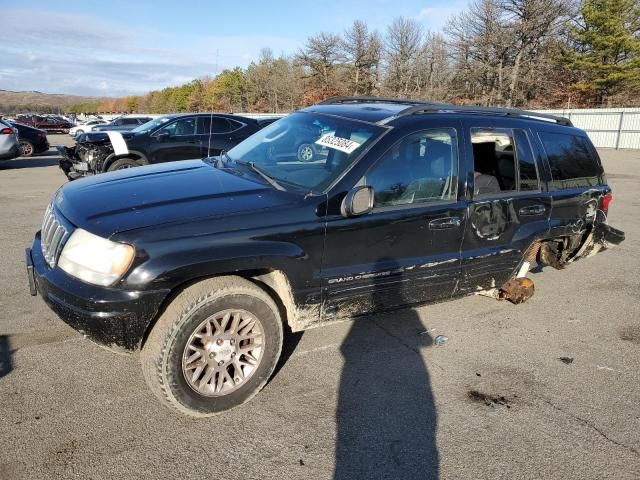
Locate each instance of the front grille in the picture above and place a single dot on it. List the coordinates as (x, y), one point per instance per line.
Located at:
(52, 236)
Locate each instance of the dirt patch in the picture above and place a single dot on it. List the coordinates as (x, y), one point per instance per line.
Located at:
(631, 334)
(488, 400)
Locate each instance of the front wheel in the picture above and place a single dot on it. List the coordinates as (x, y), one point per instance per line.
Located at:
(214, 347)
(122, 164)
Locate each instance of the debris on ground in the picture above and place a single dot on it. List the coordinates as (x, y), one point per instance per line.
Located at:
(631, 334)
(441, 340)
(566, 360)
(488, 400)
(517, 290)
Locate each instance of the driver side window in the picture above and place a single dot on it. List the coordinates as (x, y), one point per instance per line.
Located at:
(423, 167)
(184, 126)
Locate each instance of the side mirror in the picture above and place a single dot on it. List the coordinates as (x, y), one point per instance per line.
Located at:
(163, 136)
(358, 201)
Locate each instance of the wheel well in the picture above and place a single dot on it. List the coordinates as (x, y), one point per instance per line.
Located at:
(274, 282)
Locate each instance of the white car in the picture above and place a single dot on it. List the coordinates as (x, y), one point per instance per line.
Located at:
(85, 127)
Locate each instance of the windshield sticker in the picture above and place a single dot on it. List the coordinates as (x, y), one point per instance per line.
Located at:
(338, 143)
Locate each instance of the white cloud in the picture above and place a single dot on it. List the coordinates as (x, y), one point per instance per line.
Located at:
(76, 54)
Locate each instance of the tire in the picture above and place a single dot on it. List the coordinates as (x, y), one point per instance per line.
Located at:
(305, 153)
(166, 353)
(122, 164)
(26, 148)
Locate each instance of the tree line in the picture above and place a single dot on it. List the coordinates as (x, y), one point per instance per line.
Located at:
(514, 53)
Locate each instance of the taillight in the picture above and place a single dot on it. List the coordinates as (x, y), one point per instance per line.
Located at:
(606, 200)
(6, 131)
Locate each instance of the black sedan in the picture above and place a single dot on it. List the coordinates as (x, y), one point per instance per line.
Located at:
(32, 140)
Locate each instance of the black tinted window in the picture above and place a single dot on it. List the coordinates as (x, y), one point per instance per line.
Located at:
(129, 121)
(526, 162)
(421, 168)
(220, 125)
(571, 161)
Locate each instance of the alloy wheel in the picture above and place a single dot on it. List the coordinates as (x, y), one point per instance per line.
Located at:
(223, 352)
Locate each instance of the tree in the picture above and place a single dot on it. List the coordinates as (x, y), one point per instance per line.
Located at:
(361, 51)
(401, 47)
(606, 47)
(322, 58)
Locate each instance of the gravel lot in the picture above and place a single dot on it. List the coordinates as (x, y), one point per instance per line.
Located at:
(366, 399)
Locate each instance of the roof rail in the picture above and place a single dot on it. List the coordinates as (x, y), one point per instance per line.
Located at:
(478, 110)
(421, 106)
(361, 99)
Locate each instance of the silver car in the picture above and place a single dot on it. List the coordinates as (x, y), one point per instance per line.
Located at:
(9, 145)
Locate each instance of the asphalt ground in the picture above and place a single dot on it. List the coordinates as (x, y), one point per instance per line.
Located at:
(369, 399)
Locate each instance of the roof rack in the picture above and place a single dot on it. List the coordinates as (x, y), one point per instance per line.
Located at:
(361, 99)
(420, 106)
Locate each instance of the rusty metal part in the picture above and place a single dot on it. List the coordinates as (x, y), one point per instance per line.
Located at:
(532, 253)
(517, 290)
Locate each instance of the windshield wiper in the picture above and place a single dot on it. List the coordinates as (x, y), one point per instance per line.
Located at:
(269, 179)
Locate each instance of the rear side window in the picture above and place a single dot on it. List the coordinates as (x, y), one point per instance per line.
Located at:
(571, 160)
(220, 125)
(129, 121)
(503, 161)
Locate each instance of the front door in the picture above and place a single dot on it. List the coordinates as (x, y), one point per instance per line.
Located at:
(407, 250)
(510, 207)
(176, 141)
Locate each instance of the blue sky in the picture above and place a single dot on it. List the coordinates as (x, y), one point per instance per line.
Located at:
(120, 47)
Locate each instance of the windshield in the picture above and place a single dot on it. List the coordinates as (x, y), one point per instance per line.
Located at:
(151, 124)
(309, 150)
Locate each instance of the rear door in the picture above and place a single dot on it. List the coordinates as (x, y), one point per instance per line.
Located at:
(407, 250)
(509, 206)
(577, 180)
(219, 134)
(175, 141)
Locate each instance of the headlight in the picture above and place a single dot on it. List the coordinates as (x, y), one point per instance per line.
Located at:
(95, 259)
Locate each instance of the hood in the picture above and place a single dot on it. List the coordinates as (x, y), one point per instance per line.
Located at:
(100, 137)
(158, 194)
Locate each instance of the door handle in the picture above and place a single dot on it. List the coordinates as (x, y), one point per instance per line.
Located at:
(532, 210)
(442, 223)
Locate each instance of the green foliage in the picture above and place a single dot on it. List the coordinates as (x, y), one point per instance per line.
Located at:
(606, 50)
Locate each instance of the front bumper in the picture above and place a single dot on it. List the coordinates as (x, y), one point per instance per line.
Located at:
(114, 318)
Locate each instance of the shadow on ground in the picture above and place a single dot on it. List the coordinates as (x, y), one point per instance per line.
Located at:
(46, 159)
(5, 356)
(386, 416)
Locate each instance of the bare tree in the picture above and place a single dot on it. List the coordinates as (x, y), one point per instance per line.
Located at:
(362, 51)
(402, 46)
(322, 57)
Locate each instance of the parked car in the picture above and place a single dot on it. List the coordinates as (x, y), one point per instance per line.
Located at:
(32, 140)
(199, 263)
(120, 124)
(168, 138)
(49, 124)
(9, 146)
(85, 127)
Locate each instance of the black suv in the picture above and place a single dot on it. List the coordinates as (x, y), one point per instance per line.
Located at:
(201, 263)
(165, 139)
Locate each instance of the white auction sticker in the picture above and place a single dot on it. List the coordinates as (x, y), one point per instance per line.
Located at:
(119, 145)
(338, 143)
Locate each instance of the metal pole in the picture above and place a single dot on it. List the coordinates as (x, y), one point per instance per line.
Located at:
(619, 129)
